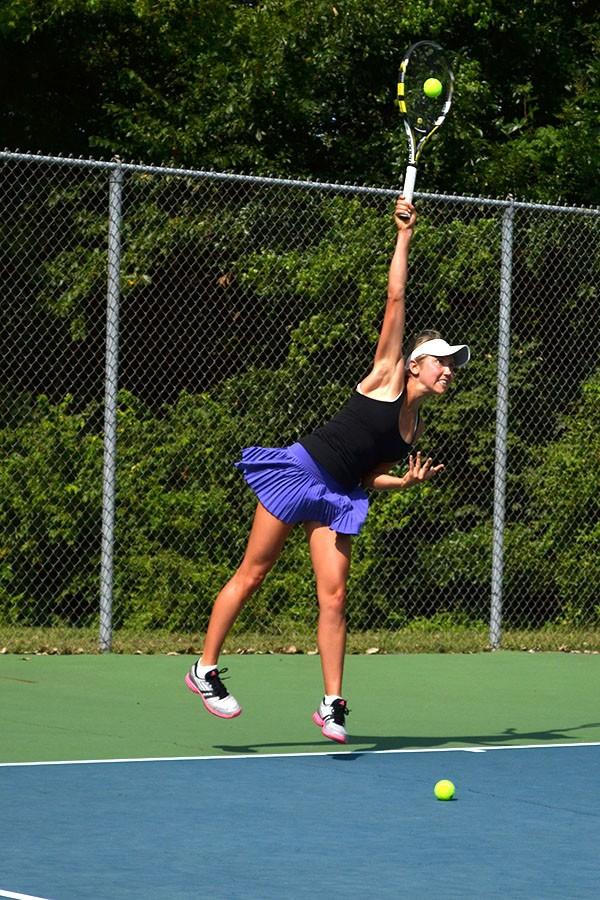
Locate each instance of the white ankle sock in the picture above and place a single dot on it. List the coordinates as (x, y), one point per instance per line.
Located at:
(202, 670)
(329, 698)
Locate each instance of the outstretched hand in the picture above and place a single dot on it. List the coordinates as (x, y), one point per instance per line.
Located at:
(420, 470)
(405, 215)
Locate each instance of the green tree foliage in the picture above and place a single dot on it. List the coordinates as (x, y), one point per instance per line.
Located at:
(50, 530)
(555, 550)
(295, 89)
(307, 89)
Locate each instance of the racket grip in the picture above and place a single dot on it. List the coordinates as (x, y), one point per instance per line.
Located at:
(409, 182)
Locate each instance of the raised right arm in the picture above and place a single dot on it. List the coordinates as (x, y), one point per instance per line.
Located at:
(386, 378)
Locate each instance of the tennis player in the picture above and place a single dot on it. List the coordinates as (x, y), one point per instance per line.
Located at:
(320, 482)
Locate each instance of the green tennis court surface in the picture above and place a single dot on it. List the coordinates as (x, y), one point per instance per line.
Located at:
(107, 707)
(117, 784)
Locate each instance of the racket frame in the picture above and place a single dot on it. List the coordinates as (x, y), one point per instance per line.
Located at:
(415, 145)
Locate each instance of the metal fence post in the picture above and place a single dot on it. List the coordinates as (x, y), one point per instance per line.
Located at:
(501, 428)
(115, 202)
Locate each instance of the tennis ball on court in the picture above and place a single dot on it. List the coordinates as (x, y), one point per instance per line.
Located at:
(444, 790)
(432, 87)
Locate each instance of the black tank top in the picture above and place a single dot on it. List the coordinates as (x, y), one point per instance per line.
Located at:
(364, 434)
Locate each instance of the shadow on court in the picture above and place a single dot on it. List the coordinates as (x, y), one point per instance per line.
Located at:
(508, 737)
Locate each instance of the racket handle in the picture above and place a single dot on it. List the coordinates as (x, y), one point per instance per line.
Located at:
(409, 182)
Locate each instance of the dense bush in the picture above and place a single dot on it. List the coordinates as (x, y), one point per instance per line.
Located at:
(183, 514)
(554, 554)
(50, 519)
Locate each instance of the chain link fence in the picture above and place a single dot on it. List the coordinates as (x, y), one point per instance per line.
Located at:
(156, 321)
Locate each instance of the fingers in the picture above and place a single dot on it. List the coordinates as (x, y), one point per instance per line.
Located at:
(405, 215)
(421, 469)
(425, 467)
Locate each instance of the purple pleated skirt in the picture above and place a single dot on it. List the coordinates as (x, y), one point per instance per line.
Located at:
(294, 488)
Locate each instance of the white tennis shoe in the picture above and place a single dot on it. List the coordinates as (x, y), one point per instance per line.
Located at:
(331, 719)
(213, 693)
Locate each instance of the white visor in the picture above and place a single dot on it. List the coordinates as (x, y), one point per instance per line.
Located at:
(439, 347)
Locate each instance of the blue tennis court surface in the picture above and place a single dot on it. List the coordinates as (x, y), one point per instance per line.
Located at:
(525, 823)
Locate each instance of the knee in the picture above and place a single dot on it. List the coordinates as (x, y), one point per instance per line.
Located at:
(250, 578)
(332, 600)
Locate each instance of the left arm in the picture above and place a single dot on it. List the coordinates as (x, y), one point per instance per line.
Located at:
(419, 471)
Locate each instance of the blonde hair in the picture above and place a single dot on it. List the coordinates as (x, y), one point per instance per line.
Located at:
(430, 334)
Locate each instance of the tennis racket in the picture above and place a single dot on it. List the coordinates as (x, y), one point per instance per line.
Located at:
(425, 85)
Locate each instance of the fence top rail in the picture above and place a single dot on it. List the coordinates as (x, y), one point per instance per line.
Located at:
(205, 175)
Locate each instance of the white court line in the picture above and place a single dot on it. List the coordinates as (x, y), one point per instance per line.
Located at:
(263, 756)
(14, 896)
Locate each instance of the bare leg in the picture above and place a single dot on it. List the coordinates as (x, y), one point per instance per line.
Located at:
(267, 537)
(330, 555)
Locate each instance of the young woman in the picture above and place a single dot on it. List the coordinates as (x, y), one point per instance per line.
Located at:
(320, 482)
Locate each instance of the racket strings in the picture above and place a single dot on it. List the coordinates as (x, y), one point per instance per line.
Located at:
(423, 112)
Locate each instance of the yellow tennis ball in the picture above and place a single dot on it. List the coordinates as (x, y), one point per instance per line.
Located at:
(444, 790)
(432, 87)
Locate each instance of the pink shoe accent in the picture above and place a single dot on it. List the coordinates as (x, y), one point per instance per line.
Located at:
(320, 723)
(190, 684)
